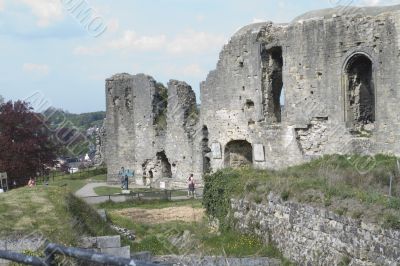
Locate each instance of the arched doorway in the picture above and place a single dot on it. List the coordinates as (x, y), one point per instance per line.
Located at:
(165, 166)
(238, 153)
(359, 92)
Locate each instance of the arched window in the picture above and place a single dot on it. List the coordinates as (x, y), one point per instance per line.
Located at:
(359, 92)
(205, 150)
(238, 153)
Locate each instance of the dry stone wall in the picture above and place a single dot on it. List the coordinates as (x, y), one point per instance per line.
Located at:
(312, 236)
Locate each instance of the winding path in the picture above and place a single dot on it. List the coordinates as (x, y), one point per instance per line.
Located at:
(88, 189)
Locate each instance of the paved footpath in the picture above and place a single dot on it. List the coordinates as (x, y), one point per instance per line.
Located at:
(88, 194)
(88, 190)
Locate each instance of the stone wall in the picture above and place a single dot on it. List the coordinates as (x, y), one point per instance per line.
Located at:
(151, 129)
(312, 236)
(338, 75)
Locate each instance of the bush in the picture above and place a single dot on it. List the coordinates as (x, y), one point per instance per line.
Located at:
(218, 191)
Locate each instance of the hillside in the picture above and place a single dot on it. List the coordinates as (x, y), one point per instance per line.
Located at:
(84, 121)
(80, 129)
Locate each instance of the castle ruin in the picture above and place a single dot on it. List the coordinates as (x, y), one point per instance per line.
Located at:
(281, 94)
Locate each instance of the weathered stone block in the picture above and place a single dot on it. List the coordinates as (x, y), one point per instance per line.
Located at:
(259, 155)
(108, 242)
(216, 151)
(123, 252)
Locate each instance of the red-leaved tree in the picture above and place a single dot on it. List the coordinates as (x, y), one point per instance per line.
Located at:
(25, 143)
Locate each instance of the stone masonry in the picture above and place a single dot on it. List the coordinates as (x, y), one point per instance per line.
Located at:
(281, 94)
(313, 236)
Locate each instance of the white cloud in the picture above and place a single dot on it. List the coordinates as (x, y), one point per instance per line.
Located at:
(2, 5)
(195, 42)
(46, 11)
(257, 20)
(187, 71)
(200, 18)
(371, 2)
(36, 69)
(113, 25)
(131, 40)
(193, 70)
(82, 50)
(189, 42)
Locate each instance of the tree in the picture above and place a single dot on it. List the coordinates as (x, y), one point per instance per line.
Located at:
(25, 143)
(1, 100)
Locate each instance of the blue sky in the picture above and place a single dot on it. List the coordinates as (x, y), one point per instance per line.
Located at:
(45, 48)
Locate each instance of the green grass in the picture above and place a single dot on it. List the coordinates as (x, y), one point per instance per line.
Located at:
(40, 210)
(74, 182)
(202, 239)
(154, 204)
(347, 185)
(86, 218)
(105, 191)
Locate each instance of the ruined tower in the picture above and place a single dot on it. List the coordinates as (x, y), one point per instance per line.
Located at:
(281, 94)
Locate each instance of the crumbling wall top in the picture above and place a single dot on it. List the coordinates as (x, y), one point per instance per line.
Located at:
(119, 76)
(346, 10)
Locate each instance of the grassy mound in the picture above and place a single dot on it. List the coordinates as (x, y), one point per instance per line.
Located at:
(51, 212)
(355, 186)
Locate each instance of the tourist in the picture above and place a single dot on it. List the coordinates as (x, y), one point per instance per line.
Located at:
(144, 179)
(191, 187)
(151, 177)
(121, 175)
(126, 182)
(31, 182)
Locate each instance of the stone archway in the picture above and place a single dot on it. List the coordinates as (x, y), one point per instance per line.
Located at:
(238, 153)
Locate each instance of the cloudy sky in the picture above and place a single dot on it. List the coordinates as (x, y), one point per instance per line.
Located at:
(52, 48)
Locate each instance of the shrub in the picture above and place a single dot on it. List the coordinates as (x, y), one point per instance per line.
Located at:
(391, 221)
(285, 195)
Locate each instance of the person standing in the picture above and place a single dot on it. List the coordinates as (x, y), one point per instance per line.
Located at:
(151, 177)
(121, 176)
(191, 186)
(126, 182)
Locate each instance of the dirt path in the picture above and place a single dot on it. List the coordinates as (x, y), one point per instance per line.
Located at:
(157, 216)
